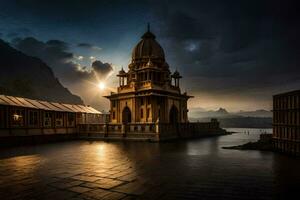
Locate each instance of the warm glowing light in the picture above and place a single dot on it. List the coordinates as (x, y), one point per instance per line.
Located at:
(101, 86)
(17, 117)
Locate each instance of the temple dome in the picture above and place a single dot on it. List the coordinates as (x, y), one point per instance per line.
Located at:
(148, 47)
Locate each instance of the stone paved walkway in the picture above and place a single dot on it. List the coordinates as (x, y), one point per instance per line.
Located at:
(99, 170)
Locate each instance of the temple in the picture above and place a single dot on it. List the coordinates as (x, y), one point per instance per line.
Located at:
(148, 103)
(148, 92)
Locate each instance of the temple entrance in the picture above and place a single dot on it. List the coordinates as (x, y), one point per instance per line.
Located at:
(126, 115)
(173, 115)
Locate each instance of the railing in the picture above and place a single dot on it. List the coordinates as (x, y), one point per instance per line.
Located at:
(117, 128)
(138, 127)
(179, 129)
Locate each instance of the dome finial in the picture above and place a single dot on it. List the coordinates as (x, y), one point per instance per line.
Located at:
(122, 70)
(148, 27)
(149, 63)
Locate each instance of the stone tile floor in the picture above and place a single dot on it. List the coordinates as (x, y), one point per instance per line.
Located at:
(21, 179)
(182, 170)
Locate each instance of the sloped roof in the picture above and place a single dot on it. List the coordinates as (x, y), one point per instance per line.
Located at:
(25, 102)
(51, 106)
(62, 107)
(9, 101)
(38, 104)
(45, 105)
(3, 102)
(72, 107)
(87, 109)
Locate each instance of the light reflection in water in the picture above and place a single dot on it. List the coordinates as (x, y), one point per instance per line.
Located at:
(173, 166)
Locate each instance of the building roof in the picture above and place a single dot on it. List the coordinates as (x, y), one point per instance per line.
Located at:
(148, 47)
(176, 74)
(294, 92)
(45, 105)
(122, 73)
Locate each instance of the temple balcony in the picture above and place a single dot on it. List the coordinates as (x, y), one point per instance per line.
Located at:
(126, 88)
(148, 85)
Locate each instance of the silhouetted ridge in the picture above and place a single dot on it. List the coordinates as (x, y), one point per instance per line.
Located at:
(26, 76)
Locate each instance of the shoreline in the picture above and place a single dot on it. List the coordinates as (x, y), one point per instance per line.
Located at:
(264, 143)
(261, 146)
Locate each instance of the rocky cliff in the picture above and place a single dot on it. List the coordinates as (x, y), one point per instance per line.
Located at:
(26, 76)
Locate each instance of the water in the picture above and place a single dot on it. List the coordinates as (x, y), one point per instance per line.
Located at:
(192, 169)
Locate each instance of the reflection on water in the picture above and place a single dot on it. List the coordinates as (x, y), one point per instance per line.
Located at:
(181, 169)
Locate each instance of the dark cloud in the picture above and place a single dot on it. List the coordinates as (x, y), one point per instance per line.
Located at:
(240, 48)
(57, 55)
(85, 45)
(180, 26)
(78, 78)
(58, 44)
(98, 71)
(102, 69)
(89, 46)
(19, 32)
(243, 44)
(12, 35)
(54, 52)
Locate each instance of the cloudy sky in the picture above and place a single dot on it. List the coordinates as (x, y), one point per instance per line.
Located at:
(232, 54)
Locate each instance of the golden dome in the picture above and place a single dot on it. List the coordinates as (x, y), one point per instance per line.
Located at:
(148, 47)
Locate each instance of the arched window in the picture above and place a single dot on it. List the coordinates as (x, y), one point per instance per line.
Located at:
(126, 115)
(173, 116)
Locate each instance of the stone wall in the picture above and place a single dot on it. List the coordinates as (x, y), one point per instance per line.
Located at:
(286, 122)
(150, 131)
(132, 131)
(24, 136)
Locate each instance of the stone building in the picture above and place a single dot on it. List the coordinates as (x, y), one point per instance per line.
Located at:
(286, 122)
(148, 92)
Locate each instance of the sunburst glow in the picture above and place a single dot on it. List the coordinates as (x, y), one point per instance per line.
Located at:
(101, 85)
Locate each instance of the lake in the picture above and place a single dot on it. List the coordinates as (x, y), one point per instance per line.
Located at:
(189, 169)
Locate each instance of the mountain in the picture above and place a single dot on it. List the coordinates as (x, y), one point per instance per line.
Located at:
(240, 122)
(202, 113)
(223, 113)
(256, 113)
(26, 76)
(242, 119)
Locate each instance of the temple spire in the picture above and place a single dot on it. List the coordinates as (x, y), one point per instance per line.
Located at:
(148, 34)
(148, 27)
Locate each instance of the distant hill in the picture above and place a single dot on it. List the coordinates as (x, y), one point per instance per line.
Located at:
(241, 119)
(256, 113)
(240, 122)
(26, 76)
(222, 111)
(201, 113)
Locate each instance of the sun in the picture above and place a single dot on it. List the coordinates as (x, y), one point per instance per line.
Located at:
(101, 86)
